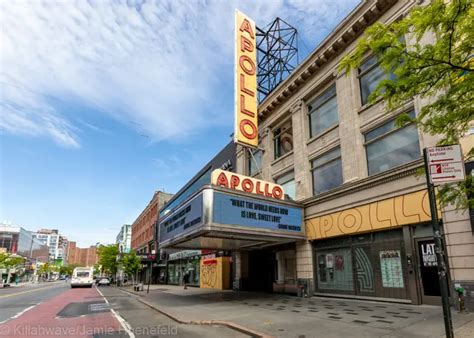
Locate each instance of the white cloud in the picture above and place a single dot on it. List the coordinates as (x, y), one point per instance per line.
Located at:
(25, 112)
(162, 65)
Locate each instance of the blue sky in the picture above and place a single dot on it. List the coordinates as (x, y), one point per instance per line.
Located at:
(102, 103)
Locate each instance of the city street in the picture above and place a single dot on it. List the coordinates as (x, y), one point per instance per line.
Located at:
(228, 169)
(56, 310)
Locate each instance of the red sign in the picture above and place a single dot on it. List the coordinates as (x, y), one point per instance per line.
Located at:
(247, 184)
(445, 164)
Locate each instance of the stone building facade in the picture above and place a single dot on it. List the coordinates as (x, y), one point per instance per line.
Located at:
(354, 172)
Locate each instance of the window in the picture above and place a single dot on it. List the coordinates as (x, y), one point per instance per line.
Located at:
(388, 146)
(287, 181)
(327, 171)
(283, 140)
(254, 162)
(370, 75)
(323, 112)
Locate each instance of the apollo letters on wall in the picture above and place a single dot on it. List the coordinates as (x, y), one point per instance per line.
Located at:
(246, 117)
(389, 213)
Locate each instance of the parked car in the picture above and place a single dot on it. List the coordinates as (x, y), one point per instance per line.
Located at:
(103, 281)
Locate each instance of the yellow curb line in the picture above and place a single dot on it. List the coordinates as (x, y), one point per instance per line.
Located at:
(27, 291)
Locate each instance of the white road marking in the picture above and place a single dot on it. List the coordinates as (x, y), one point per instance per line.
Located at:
(19, 313)
(126, 326)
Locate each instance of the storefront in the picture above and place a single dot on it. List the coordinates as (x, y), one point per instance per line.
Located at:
(371, 265)
(383, 250)
(181, 262)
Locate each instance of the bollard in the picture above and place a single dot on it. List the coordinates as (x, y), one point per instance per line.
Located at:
(460, 292)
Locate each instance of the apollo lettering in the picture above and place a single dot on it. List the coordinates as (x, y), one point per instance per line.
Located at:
(247, 66)
(246, 127)
(249, 185)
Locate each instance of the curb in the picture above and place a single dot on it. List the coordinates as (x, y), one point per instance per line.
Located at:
(130, 292)
(228, 324)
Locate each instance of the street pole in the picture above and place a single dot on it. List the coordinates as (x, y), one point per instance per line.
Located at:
(149, 279)
(440, 256)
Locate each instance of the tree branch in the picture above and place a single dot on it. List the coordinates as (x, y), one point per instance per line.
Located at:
(416, 56)
(452, 29)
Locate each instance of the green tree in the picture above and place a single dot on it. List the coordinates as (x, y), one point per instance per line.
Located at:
(108, 258)
(67, 269)
(131, 264)
(10, 261)
(44, 270)
(440, 71)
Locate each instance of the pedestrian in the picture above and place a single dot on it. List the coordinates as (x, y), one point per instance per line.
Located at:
(186, 279)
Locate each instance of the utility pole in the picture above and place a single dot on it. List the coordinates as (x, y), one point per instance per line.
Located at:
(440, 255)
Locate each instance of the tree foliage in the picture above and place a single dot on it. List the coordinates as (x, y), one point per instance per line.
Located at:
(9, 261)
(440, 71)
(67, 269)
(131, 263)
(108, 258)
(45, 269)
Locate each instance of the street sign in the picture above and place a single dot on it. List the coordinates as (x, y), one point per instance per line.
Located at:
(445, 164)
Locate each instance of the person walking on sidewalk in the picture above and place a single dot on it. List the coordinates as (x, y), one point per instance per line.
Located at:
(186, 279)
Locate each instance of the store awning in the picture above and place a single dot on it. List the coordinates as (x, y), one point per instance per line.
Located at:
(223, 219)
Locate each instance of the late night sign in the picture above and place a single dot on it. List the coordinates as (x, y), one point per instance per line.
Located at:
(247, 184)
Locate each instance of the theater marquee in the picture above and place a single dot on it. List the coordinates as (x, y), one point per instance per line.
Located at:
(246, 124)
(247, 184)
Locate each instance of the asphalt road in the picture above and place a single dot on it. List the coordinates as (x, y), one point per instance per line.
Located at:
(57, 310)
(146, 322)
(16, 299)
(54, 309)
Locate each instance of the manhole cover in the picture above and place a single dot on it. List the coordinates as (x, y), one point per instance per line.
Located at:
(80, 309)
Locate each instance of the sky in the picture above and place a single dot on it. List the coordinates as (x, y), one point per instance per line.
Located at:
(104, 102)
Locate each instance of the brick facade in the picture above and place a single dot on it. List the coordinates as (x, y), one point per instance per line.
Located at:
(81, 256)
(144, 226)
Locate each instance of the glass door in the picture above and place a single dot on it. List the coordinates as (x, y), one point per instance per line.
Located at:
(428, 270)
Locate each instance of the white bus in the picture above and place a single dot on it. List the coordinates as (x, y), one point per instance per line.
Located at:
(82, 277)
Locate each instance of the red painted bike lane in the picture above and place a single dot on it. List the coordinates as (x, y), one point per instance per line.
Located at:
(44, 319)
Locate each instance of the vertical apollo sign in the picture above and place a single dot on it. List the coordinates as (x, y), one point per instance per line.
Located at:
(246, 118)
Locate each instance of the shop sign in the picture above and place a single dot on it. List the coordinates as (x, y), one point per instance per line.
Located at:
(183, 254)
(388, 213)
(446, 164)
(329, 261)
(246, 117)
(247, 184)
(147, 257)
(428, 254)
(391, 269)
(249, 212)
(187, 217)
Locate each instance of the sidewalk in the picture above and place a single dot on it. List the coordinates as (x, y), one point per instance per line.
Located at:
(287, 316)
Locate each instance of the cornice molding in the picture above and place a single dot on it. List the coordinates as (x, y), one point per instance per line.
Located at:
(345, 33)
(297, 106)
(365, 183)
